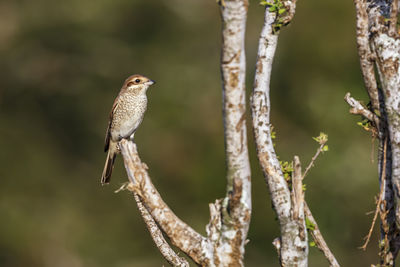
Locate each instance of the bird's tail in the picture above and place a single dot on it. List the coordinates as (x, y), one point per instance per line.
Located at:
(108, 167)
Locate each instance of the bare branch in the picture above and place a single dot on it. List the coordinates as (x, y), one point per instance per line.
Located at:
(358, 109)
(365, 54)
(297, 189)
(158, 237)
(236, 207)
(180, 234)
(319, 240)
(291, 253)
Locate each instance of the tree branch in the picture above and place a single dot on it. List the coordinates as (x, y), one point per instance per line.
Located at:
(319, 240)
(387, 49)
(297, 191)
(358, 109)
(158, 237)
(236, 207)
(180, 234)
(365, 54)
(230, 217)
(380, 41)
(291, 253)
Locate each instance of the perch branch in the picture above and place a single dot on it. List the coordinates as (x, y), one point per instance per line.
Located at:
(180, 234)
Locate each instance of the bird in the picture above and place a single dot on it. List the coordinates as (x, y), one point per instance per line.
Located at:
(125, 117)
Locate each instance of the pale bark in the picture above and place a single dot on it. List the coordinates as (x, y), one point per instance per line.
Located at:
(365, 54)
(358, 109)
(291, 209)
(181, 235)
(236, 207)
(230, 217)
(378, 45)
(158, 238)
(293, 246)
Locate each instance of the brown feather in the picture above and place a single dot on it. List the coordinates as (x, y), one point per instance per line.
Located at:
(108, 168)
(110, 118)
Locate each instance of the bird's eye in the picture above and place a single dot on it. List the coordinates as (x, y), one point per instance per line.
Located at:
(137, 81)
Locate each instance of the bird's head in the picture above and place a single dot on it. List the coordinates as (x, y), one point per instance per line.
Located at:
(138, 83)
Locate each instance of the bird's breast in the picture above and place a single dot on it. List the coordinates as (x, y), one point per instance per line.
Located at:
(127, 115)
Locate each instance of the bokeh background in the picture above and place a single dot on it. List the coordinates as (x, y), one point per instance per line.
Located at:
(63, 62)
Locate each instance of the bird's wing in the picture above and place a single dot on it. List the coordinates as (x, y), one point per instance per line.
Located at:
(108, 131)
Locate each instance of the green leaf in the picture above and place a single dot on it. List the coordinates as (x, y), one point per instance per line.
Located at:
(322, 138)
(310, 226)
(265, 3)
(273, 135)
(304, 187)
(312, 244)
(281, 11)
(325, 148)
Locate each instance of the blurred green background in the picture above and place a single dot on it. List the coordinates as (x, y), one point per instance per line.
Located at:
(62, 64)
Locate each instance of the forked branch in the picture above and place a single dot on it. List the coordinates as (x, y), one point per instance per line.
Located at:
(230, 217)
(289, 205)
(180, 234)
(158, 238)
(291, 252)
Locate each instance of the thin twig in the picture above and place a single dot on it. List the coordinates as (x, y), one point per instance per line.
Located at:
(379, 201)
(319, 239)
(311, 164)
(157, 236)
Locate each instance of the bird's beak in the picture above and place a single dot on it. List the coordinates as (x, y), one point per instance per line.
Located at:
(151, 82)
